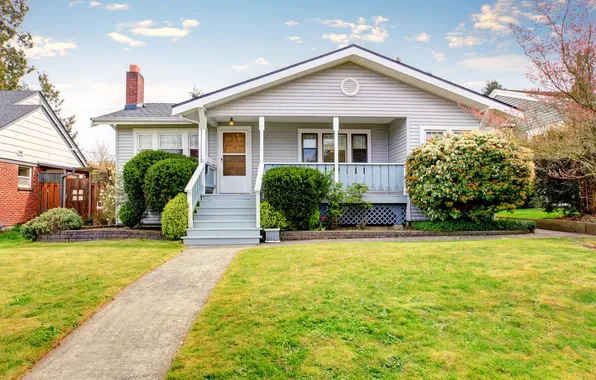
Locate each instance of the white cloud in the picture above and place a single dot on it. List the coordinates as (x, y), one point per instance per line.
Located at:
(121, 38)
(145, 28)
(459, 39)
(500, 63)
(48, 47)
(291, 23)
(240, 67)
(360, 30)
(497, 17)
(422, 37)
(439, 57)
(261, 61)
(74, 3)
(296, 39)
(107, 7)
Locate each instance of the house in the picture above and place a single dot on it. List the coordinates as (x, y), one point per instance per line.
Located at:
(353, 112)
(34, 147)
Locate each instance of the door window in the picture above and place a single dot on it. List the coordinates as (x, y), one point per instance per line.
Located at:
(234, 154)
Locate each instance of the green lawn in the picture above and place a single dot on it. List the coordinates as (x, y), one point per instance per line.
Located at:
(532, 213)
(48, 289)
(447, 310)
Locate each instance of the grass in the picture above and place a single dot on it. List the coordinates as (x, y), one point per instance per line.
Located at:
(532, 213)
(48, 289)
(446, 310)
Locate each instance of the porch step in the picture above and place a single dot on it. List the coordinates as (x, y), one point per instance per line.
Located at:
(224, 232)
(202, 223)
(224, 215)
(231, 240)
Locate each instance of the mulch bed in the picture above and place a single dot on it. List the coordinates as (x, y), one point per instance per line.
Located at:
(102, 233)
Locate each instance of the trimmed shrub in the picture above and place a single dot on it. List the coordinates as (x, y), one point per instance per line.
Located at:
(486, 225)
(51, 221)
(296, 192)
(468, 177)
(554, 192)
(166, 179)
(272, 218)
(133, 175)
(174, 218)
(130, 214)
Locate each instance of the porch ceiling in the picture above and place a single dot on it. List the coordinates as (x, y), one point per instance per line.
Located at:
(304, 119)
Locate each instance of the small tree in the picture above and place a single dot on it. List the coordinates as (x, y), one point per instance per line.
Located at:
(468, 177)
(195, 92)
(490, 86)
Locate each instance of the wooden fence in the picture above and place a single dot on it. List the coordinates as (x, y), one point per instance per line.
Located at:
(81, 194)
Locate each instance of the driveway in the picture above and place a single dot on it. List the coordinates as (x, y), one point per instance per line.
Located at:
(137, 335)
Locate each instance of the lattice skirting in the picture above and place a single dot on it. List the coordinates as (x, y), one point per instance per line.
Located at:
(379, 215)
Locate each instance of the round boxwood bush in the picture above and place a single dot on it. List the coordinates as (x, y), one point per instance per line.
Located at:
(296, 192)
(133, 175)
(130, 214)
(174, 218)
(51, 221)
(468, 177)
(165, 179)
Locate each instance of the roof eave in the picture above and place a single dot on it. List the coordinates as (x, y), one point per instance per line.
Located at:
(138, 121)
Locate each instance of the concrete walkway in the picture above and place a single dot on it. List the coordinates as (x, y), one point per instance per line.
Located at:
(137, 335)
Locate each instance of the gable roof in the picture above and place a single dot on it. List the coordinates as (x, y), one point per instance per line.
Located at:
(358, 55)
(149, 112)
(11, 110)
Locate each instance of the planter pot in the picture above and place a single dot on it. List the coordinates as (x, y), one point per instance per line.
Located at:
(272, 235)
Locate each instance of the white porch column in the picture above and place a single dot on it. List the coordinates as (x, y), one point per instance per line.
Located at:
(336, 147)
(202, 135)
(261, 139)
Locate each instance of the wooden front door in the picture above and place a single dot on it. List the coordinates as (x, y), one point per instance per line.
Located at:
(234, 160)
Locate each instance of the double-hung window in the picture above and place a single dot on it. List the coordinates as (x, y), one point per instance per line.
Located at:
(319, 146)
(171, 142)
(144, 142)
(433, 134)
(193, 144)
(24, 174)
(359, 147)
(329, 147)
(310, 151)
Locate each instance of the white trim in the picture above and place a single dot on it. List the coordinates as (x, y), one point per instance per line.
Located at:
(30, 177)
(226, 128)
(140, 121)
(447, 129)
(512, 94)
(337, 57)
(349, 132)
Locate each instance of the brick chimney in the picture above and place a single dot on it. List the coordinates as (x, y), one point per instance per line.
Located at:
(135, 88)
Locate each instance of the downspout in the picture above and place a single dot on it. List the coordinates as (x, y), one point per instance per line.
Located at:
(62, 186)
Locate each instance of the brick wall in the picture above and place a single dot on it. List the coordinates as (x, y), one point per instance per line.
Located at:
(17, 205)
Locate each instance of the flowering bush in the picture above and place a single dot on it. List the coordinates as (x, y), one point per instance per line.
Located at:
(468, 177)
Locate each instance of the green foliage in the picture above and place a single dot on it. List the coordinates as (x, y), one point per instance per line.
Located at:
(296, 192)
(133, 176)
(485, 225)
(555, 192)
(165, 179)
(51, 93)
(130, 214)
(13, 44)
(174, 218)
(339, 200)
(468, 177)
(314, 222)
(272, 218)
(51, 221)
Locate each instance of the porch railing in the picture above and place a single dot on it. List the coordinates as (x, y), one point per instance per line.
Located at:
(385, 177)
(202, 179)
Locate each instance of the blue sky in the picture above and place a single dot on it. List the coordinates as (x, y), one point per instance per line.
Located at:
(86, 46)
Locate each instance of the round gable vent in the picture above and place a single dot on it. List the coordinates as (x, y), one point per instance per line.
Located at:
(349, 86)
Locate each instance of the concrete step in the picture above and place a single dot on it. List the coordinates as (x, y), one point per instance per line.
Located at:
(223, 240)
(223, 232)
(226, 211)
(227, 203)
(214, 215)
(227, 206)
(201, 223)
(229, 197)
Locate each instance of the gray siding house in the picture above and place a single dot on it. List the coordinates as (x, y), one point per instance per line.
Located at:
(352, 112)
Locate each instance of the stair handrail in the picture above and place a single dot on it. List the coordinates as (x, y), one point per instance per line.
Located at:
(258, 186)
(193, 190)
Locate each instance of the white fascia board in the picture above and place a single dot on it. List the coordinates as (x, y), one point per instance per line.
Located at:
(512, 94)
(138, 121)
(339, 55)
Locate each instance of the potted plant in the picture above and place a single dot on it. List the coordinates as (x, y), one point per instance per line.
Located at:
(272, 221)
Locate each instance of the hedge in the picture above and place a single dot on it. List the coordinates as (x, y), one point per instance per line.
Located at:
(487, 225)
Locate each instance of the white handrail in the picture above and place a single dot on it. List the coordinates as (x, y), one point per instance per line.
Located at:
(258, 186)
(194, 190)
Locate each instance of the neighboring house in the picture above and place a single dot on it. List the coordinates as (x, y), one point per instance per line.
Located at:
(352, 111)
(33, 143)
(539, 115)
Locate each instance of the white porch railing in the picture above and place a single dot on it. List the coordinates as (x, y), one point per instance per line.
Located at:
(258, 186)
(384, 177)
(202, 179)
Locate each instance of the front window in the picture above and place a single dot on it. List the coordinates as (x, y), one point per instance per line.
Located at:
(309, 147)
(25, 177)
(359, 148)
(145, 142)
(193, 145)
(329, 147)
(171, 143)
(430, 135)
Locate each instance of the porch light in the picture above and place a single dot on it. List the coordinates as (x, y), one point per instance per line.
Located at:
(231, 122)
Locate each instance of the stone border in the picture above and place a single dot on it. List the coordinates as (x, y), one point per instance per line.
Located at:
(561, 225)
(330, 235)
(101, 234)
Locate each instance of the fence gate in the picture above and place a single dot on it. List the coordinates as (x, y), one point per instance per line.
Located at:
(77, 195)
(49, 191)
